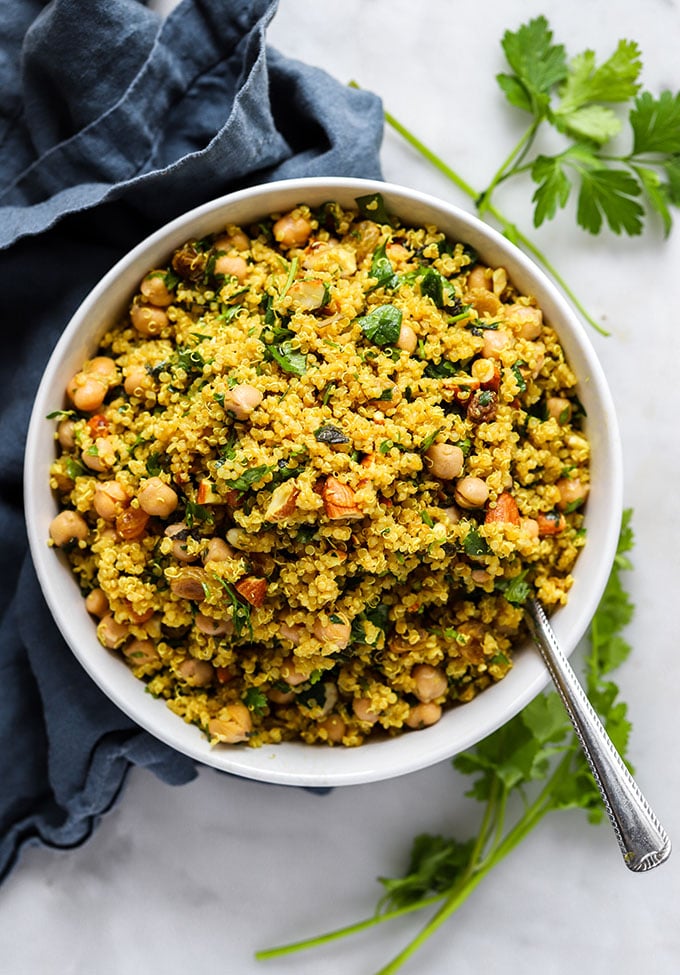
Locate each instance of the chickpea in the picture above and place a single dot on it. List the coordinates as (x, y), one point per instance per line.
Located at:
(237, 537)
(241, 400)
(277, 696)
(291, 674)
(101, 456)
(109, 498)
(140, 653)
(137, 618)
(148, 319)
(471, 492)
(530, 527)
(292, 229)
(495, 340)
(232, 724)
(528, 320)
(157, 498)
(179, 534)
(111, 633)
(485, 371)
(362, 707)
(423, 715)
(396, 252)
(431, 682)
(218, 551)
(451, 515)
(137, 381)
(155, 290)
(480, 577)
(211, 626)
(572, 493)
(197, 673)
(408, 340)
(87, 393)
(336, 632)
(68, 526)
(103, 367)
(96, 603)
(292, 633)
(559, 409)
(66, 434)
(235, 239)
(479, 278)
(233, 266)
(445, 460)
(334, 727)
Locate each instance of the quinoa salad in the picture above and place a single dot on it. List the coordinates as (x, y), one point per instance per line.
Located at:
(308, 480)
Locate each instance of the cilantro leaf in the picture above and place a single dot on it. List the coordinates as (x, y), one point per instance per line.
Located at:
(256, 701)
(382, 269)
(593, 122)
(616, 80)
(554, 187)
(249, 478)
(289, 358)
(656, 123)
(382, 325)
(538, 65)
(609, 194)
(435, 864)
(657, 194)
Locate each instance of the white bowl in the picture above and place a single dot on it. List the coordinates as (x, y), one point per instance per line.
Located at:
(297, 763)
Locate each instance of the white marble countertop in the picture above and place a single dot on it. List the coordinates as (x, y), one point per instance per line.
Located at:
(195, 878)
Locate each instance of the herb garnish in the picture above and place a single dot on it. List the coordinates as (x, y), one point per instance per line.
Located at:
(240, 611)
(539, 745)
(288, 357)
(575, 97)
(249, 477)
(372, 207)
(382, 325)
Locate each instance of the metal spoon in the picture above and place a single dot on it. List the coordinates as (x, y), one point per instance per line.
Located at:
(644, 842)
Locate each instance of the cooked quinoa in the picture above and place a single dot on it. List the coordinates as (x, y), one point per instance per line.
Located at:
(309, 478)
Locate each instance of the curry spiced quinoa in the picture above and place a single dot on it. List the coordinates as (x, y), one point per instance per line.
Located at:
(307, 481)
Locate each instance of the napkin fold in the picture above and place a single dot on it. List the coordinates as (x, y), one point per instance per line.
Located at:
(113, 121)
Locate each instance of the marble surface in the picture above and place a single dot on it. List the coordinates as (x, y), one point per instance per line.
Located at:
(197, 877)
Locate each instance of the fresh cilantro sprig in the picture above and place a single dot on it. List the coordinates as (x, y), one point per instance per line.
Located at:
(593, 107)
(525, 770)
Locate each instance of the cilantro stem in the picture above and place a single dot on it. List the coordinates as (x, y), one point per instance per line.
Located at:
(436, 161)
(369, 922)
(484, 206)
(476, 871)
(508, 167)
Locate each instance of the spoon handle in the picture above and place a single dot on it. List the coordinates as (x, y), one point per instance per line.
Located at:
(643, 841)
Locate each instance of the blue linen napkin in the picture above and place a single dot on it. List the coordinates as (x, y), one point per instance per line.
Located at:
(113, 121)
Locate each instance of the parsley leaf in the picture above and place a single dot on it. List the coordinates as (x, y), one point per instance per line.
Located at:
(656, 123)
(290, 359)
(587, 84)
(382, 325)
(538, 65)
(609, 194)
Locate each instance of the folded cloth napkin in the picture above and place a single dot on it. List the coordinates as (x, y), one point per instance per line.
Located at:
(113, 121)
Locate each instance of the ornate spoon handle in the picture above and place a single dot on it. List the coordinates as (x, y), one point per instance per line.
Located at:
(643, 841)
